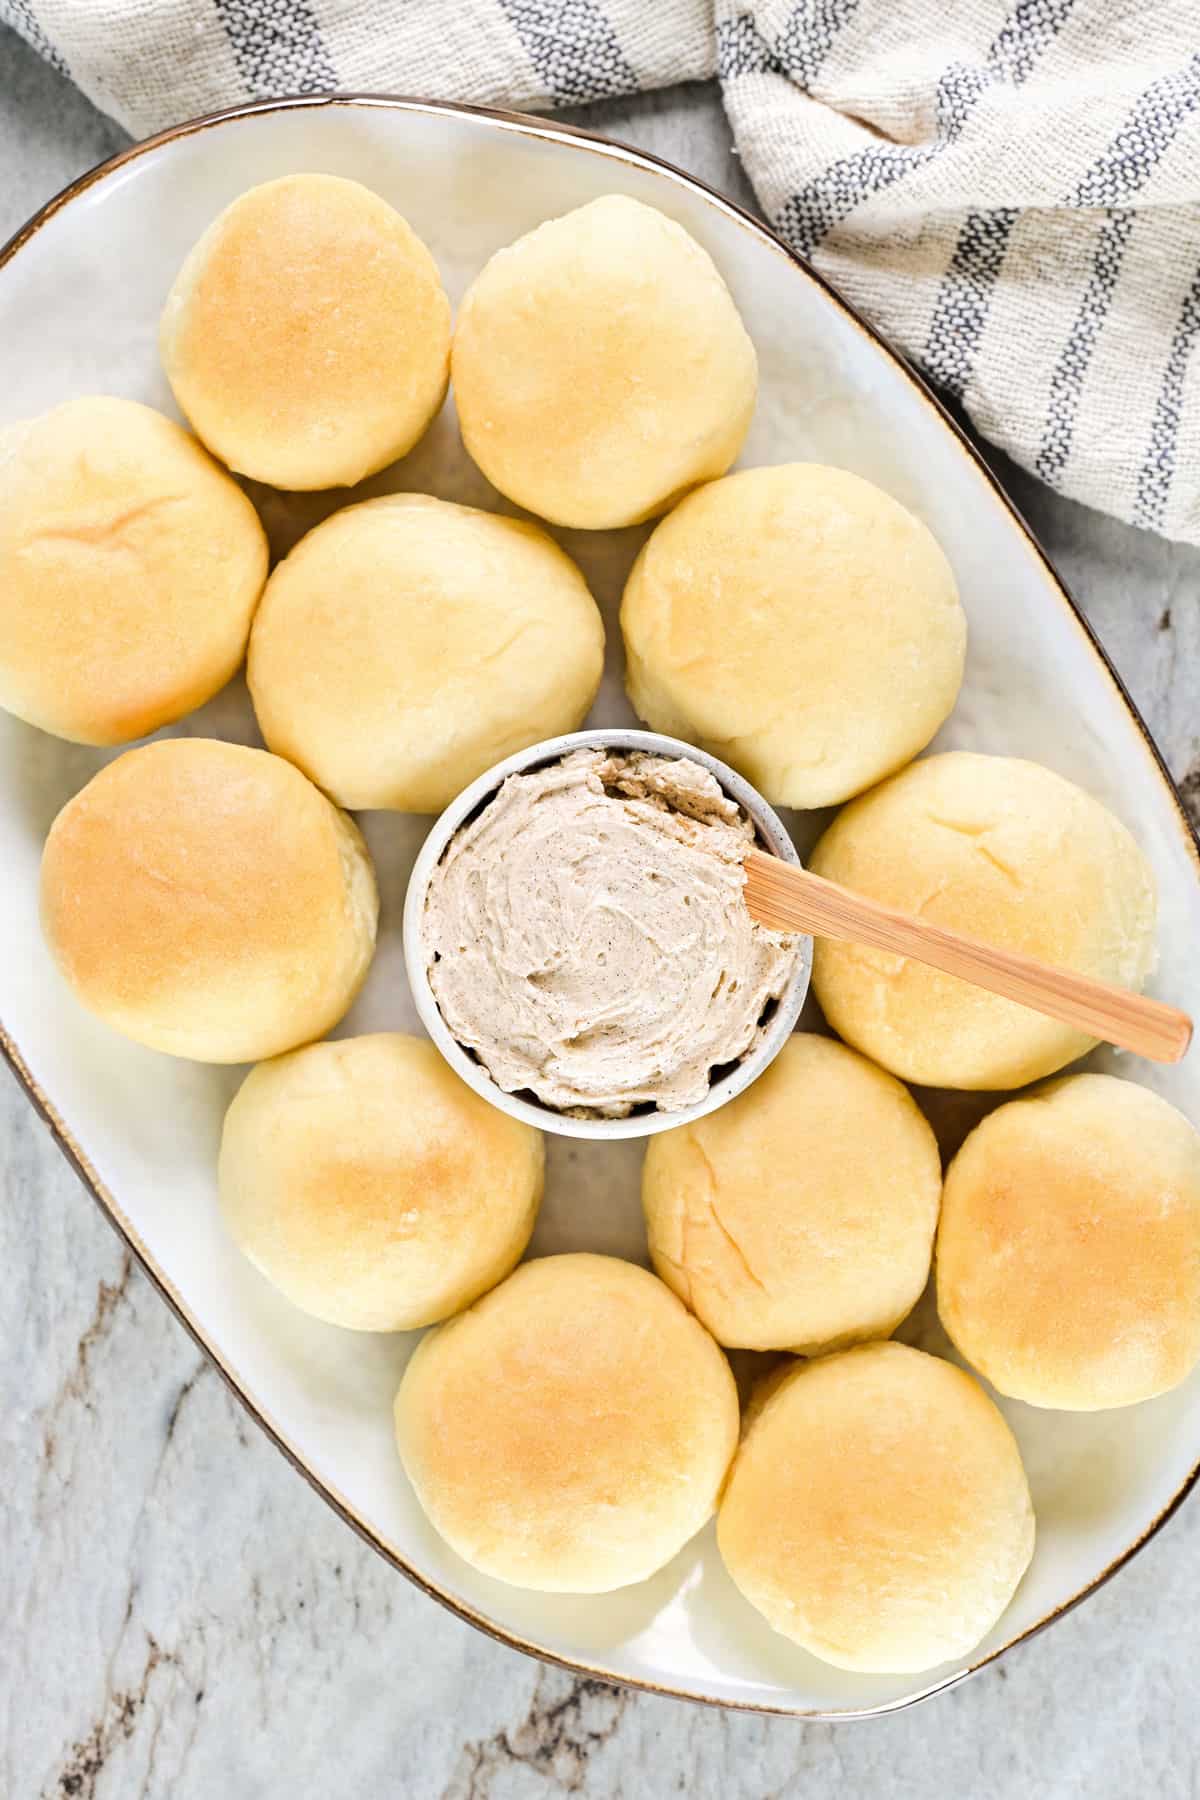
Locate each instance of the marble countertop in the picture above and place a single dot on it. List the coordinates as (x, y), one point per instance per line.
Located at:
(184, 1618)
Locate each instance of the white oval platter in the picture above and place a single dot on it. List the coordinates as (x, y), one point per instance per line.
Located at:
(80, 292)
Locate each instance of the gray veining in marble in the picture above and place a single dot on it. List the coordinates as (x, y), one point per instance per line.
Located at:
(183, 1618)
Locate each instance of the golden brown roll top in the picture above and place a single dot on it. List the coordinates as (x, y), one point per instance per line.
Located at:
(1068, 1258)
(877, 1513)
(372, 1186)
(799, 623)
(206, 900)
(407, 644)
(130, 565)
(572, 1430)
(1003, 850)
(307, 335)
(601, 368)
(800, 1216)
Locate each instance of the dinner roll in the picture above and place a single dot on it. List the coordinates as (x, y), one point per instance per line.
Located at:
(801, 1215)
(307, 335)
(1008, 852)
(799, 623)
(206, 900)
(130, 566)
(878, 1514)
(372, 1186)
(571, 1431)
(601, 368)
(1068, 1259)
(407, 644)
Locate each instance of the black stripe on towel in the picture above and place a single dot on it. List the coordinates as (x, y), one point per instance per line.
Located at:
(961, 309)
(1030, 28)
(1066, 383)
(741, 50)
(807, 37)
(1158, 468)
(573, 48)
(1128, 162)
(21, 16)
(1143, 139)
(277, 46)
(965, 295)
(814, 210)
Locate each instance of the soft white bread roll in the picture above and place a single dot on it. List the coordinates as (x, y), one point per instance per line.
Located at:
(1005, 851)
(407, 644)
(307, 335)
(130, 566)
(372, 1186)
(572, 1430)
(800, 1216)
(878, 1514)
(799, 623)
(601, 368)
(1068, 1256)
(206, 900)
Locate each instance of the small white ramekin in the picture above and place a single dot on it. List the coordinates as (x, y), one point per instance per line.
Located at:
(640, 1124)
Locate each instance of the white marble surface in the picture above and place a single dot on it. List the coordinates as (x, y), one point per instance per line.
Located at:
(184, 1618)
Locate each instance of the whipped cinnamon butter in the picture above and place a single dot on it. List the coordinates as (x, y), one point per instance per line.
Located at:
(585, 934)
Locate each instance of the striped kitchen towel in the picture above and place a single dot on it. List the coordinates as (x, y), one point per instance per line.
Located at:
(1009, 189)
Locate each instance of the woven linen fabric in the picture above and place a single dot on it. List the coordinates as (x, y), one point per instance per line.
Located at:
(1010, 192)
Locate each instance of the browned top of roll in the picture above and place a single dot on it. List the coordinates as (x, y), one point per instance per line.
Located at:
(207, 900)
